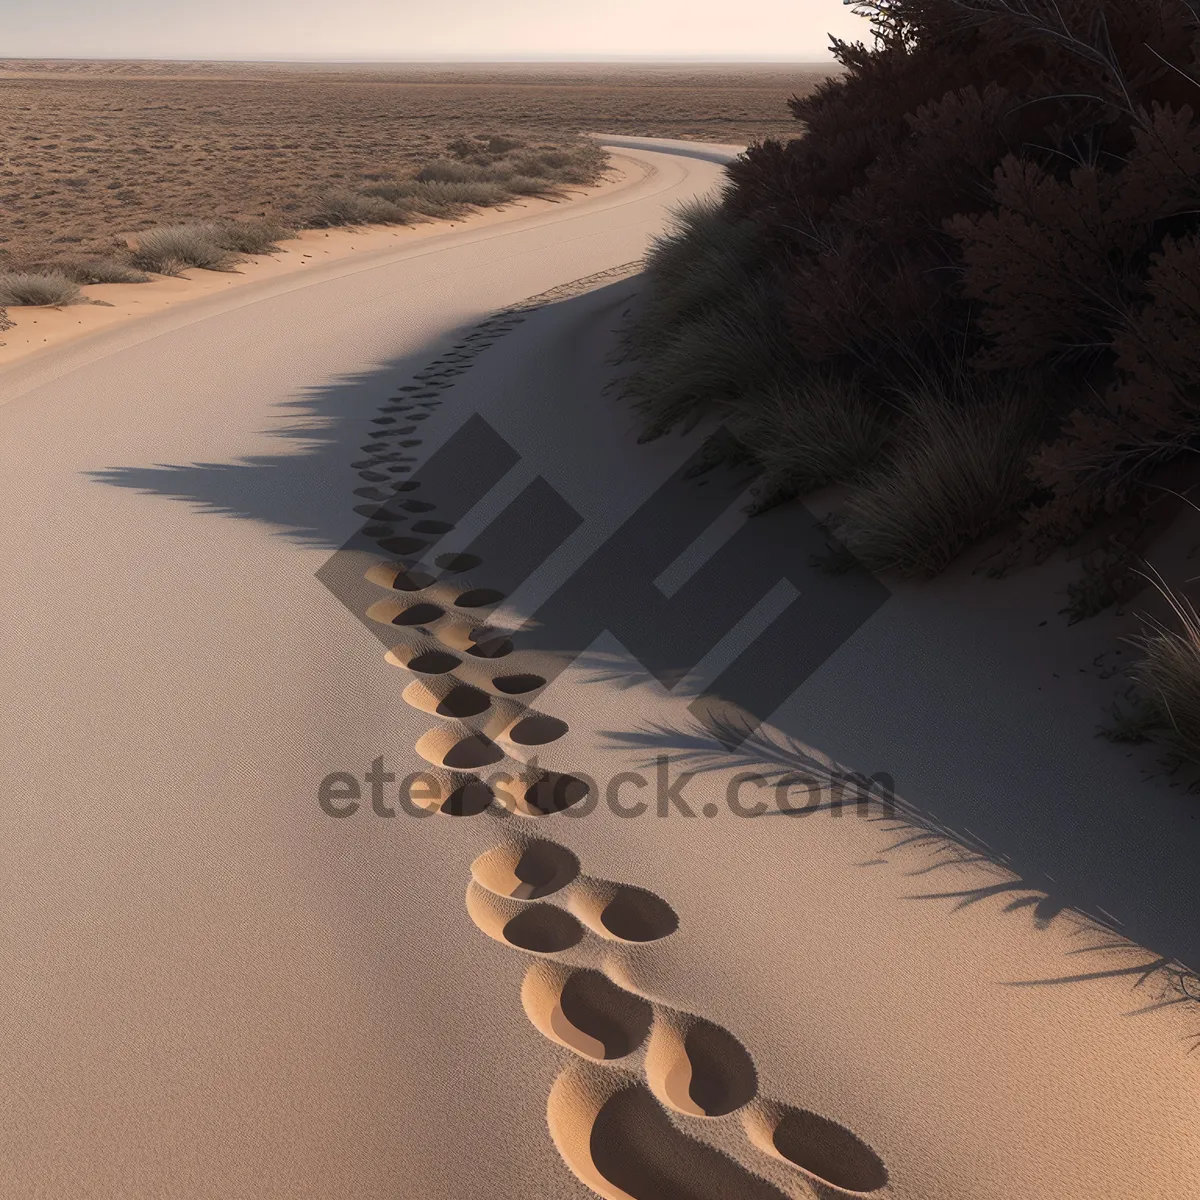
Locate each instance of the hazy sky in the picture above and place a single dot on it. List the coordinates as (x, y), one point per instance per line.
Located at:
(377, 30)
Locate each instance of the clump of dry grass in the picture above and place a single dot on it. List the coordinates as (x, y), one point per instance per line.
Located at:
(37, 289)
(808, 433)
(959, 471)
(342, 206)
(1169, 672)
(250, 237)
(449, 170)
(101, 270)
(172, 249)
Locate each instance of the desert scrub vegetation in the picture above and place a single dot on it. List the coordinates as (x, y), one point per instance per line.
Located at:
(476, 172)
(999, 190)
(172, 249)
(37, 288)
(1164, 703)
(483, 170)
(100, 270)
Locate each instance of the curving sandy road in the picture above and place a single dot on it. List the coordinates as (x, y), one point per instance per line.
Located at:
(213, 988)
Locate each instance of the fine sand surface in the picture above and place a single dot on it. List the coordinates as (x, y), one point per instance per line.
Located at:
(218, 989)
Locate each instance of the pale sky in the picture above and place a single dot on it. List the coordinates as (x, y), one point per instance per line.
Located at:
(380, 30)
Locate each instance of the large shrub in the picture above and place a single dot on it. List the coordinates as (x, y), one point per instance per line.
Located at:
(1013, 185)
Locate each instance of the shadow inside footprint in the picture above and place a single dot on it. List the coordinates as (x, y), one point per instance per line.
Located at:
(615, 1020)
(526, 872)
(829, 1151)
(543, 929)
(517, 685)
(537, 730)
(469, 800)
(636, 915)
(698, 1068)
(433, 662)
(635, 1147)
(464, 701)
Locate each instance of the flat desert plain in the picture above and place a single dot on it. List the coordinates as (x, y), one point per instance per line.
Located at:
(94, 151)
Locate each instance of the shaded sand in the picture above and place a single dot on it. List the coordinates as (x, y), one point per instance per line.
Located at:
(311, 251)
(977, 991)
(221, 988)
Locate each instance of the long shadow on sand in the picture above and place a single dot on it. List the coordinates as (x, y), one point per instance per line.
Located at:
(1128, 888)
(1164, 975)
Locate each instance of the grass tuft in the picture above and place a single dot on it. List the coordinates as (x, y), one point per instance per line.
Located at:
(101, 270)
(250, 237)
(958, 473)
(171, 249)
(37, 289)
(1169, 672)
(809, 433)
(341, 206)
(724, 353)
(448, 170)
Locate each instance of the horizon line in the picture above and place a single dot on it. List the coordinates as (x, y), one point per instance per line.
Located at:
(431, 58)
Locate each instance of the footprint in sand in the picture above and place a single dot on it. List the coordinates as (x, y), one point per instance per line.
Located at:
(609, 1123)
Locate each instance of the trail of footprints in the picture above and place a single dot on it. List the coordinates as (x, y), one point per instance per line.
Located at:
(634, 1057)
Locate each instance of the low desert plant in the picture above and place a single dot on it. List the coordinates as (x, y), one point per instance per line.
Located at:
(101, 270)
(341, 206)
(720, 355)
(808, 433)
(37, 288)
(448, 170)
(5, 323)
(171, 249)
(958, 472)
(1169, 672)
(438, 197)
(526, 185)
(705, 260)
(250, 237)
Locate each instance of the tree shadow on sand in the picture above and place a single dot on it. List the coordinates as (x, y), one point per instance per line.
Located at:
(776, 758)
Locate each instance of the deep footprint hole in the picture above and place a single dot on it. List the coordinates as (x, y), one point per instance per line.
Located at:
(457, 563)
(472, 753)
(537, 730)
(723, 1074)
(556, 793)
(412, 581)
(829, 1151)
(434, 662)
(639, 916)
(543, 929)
(478, 597)
(517, 685)
(418, 614)
(543, 868)
(497, 647)
(617, 1019)
(635, 1146)
(464, 701)
(403, 545)
(469, 800)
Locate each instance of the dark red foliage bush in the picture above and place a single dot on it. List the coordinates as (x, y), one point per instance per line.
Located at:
(1016, 184)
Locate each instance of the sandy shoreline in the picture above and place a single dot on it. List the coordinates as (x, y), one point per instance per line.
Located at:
(39, 332)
